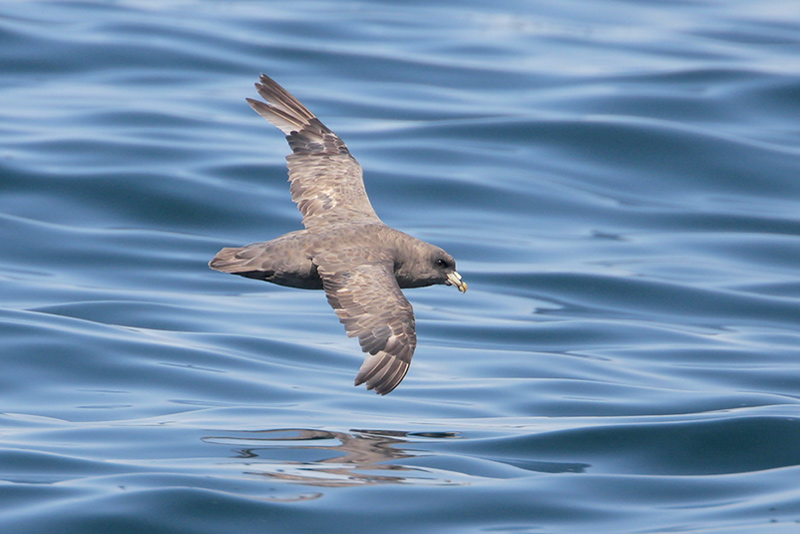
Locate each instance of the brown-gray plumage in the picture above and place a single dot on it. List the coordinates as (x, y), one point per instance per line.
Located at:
(345, 249)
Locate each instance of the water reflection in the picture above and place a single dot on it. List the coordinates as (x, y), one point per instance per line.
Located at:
(334, 459)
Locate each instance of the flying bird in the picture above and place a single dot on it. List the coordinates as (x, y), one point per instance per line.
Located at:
(345, 249)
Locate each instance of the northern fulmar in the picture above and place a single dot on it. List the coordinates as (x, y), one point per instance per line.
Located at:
(345, 248)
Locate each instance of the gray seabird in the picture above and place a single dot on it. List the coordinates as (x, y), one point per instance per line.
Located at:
(345, 249)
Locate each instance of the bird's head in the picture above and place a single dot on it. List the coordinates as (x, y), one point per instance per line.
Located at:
(445, 266)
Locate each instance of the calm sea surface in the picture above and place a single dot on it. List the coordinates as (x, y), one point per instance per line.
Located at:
(618, 180)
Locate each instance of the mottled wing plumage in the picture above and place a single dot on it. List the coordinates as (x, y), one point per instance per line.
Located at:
(326, 181)
(372, 307)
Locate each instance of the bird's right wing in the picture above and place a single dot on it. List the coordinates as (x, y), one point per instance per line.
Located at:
(372, 307)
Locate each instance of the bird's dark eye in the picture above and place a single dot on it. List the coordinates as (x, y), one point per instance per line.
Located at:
(441, 263)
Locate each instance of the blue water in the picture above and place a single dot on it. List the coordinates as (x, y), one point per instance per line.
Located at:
(618, 180)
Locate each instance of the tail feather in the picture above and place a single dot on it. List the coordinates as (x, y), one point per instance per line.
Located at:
(228, 260)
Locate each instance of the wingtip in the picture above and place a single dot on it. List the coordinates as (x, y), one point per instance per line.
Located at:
(378, 388)
(279, 107)
(382, 376)
(377, 391)
(259, 106)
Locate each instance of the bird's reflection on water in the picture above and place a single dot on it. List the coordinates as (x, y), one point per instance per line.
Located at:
(333, 459)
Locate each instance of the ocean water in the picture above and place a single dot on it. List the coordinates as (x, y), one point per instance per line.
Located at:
(618, 180)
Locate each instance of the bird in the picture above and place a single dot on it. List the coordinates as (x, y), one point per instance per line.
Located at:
(344, 249)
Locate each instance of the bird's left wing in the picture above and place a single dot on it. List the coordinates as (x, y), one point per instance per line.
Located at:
(326, 181)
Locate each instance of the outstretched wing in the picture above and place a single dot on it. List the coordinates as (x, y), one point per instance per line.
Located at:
(326, 180)
(372, 307)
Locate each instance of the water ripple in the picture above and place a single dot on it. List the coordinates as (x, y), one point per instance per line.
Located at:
(616, 179)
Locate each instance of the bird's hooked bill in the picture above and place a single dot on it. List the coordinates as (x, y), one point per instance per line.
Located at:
(454, 279)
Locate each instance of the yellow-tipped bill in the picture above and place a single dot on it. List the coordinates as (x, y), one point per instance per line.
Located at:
(454, 279)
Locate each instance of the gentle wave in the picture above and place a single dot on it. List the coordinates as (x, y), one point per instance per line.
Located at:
(616, 180)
